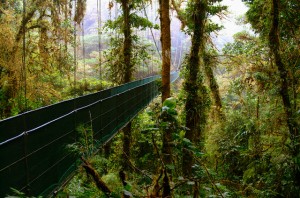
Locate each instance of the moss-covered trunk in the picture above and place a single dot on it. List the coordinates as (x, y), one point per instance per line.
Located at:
(274, 43)
(127, 55)
(127, 48)
(192, 84)
(166, 65)
(213, 85)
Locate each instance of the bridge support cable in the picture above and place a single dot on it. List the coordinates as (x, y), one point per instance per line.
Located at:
(34, 158)
(83, 52)
(152, 34)
(99, 40)
(173, 64)
(23, 77)
(75, 49)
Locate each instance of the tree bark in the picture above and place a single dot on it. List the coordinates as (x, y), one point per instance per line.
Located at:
(107, 150)
(192, 86)
(166, 66)
(274, 42)
(166, 185)
(127, 48)
(127, 56)
(96, 177)
(166, 47)
(164, 8)
(126, 146)
(180, 14)
(213, 85)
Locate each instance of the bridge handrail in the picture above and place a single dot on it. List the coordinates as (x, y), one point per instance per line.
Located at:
(19, 123)
(36, 159)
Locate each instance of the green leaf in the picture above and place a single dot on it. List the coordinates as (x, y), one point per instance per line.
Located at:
(185, 140)
(149, 130)
(181, 134)
(198, 154)
(156, 26)
(170, 166)
(171, 111)
(170, 103)
(128, 187)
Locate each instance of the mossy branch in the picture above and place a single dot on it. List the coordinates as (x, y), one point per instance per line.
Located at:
(97, 179)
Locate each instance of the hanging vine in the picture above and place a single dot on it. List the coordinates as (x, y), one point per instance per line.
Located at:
(80, 11)
(47, 31)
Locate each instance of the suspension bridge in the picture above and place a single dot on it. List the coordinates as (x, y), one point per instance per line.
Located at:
(33, 145)
(34, 157)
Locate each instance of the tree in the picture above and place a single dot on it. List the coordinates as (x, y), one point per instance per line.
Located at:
(33, 48)
(195, 18)
(123, 48)
(127, 54)
(165, 38)
(270, 19)
(274, 42)
(193, 86)
(210, 61)
(164, 7)
(271, 25)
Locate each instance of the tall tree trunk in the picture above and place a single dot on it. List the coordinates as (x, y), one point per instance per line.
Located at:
(127, 50)
(127, 55)
(192, 85)
(166, 47)
(126, 146)
(166, 65)
(213, 85)
(15, 67)
(165, 38)
(274, 42)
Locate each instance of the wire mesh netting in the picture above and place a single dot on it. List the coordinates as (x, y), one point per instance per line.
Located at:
(34, 158)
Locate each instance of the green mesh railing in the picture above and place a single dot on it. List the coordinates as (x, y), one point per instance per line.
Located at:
(34, 158)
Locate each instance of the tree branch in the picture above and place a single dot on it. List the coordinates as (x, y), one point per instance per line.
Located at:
(97, 179)
(135, 168)
(180, 14)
